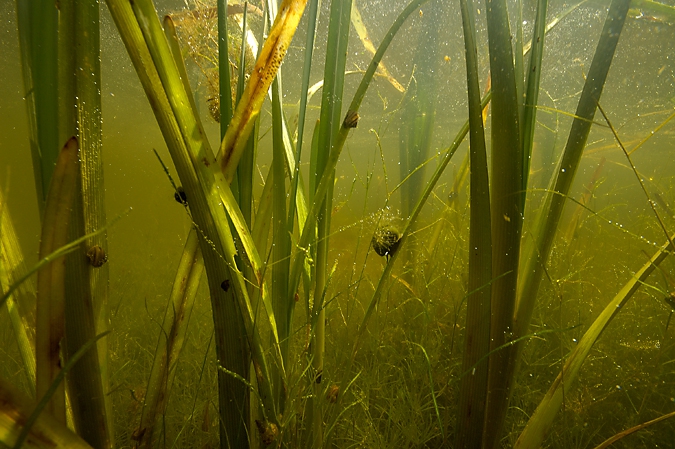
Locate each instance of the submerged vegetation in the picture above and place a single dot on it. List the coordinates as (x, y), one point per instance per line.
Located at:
(524, 293)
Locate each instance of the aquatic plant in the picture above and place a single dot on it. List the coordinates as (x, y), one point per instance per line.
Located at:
(373, 358)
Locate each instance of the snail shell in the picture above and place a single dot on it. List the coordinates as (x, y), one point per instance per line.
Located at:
(96, 256)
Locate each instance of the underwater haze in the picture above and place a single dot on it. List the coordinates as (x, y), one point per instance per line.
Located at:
(495, 276)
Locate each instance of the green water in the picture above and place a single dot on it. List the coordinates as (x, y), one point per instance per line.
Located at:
(629, 376)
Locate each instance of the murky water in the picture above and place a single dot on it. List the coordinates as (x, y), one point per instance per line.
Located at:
(629, 377)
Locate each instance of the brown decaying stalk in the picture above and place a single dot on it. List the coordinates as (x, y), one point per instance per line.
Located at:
(264, 72)
(51, 279)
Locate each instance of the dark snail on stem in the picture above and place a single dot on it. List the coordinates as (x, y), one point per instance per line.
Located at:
(385, 241)
(96, 256)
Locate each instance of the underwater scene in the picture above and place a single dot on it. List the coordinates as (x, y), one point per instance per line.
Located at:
(337, 224)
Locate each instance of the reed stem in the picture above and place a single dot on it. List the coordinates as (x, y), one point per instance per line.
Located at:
(473, 390)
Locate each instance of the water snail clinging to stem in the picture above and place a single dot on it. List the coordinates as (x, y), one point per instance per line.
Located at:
(96, 256)
(180, 196)
(386, 240)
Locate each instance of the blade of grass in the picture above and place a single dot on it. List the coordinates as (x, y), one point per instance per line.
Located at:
(362, 31)
(12, 266)
(86, 305)
(43, 29)
(326, 178)
(241, 79)
(506, 209)
(224, 69)
(200, 160)
(473, 391)
(547, 223)
(242, 186)
(21, 330)
(556, 20)
(281, 243)
(174, 45)
(533, 75)
(263, 217)
(329, 124)
(232, 316)
(232, 319)
(518, 56)
(280, 252)
(657, 10)
(313, 17)
(241, 222)
(589, 190)
(608, 442)
(171, 339)
(23, 13)
(653, 133)
(537, 253)
(540, 422)
(386, 273)
(652, 204)
(246, 167)
(419, 114)
(66, 74)
(431, 386)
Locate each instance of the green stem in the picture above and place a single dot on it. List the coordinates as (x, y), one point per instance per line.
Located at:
(473, 391)
(331, 163)
(506, 207)
(12, 266)
(171, 340)
(43, 25)
(87, 285)
(386, 273)
(224, 69)
(281, 243)
(547, 222)
(537, 253)
(329, 124)
(235, 332)
(539, 424)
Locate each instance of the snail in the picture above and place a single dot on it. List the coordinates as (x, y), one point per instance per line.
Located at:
(268, 431)
(385, 241)
(351, 119)
(332, 395)
(180, 195)
(96, 256)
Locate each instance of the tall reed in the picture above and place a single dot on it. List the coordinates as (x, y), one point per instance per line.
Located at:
(63, 103)
(513, 123)
(473, 396)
